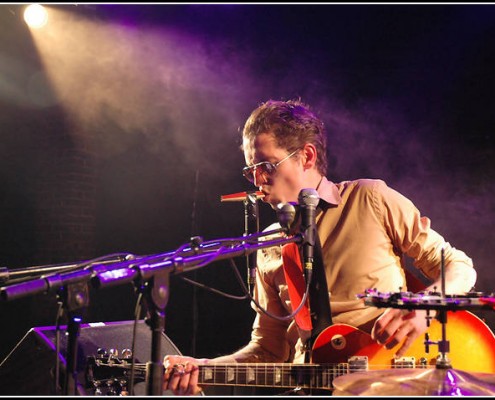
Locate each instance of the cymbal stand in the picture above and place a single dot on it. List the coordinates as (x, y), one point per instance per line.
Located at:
(443, 361)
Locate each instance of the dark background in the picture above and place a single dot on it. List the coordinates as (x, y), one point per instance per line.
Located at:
(120, 128)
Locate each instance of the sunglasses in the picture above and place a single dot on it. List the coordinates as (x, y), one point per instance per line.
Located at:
(264, 167)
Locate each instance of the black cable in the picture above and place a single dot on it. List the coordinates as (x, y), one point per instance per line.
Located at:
(137, 315)
(248, 295)
(57, 349)
(195, 311)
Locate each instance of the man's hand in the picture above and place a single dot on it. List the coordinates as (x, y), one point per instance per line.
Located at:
(395, 325)
(181, 375)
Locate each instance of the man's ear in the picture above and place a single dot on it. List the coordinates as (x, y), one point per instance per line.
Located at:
(309, 156)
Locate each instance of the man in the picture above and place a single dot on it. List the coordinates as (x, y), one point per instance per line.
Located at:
(365, 229)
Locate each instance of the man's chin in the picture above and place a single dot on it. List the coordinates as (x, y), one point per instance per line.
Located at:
(266, 199)
(272, 204)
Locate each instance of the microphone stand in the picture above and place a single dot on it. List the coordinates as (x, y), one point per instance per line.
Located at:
(15, 275)
(156, 295)
(75, 299)
(73, 294)
(251, 225)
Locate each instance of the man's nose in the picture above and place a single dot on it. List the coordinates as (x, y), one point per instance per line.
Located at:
(259, 177)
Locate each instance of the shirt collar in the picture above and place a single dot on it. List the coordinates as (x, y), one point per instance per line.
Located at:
(329, 192)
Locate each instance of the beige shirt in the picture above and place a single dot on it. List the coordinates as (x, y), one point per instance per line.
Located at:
(364, 233)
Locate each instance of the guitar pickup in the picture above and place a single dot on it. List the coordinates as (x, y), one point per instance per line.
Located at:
(358, 363)
(404, 362)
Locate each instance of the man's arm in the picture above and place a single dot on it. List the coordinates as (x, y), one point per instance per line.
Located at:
(395, 325)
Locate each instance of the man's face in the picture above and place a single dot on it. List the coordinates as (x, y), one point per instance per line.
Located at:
(285, 181)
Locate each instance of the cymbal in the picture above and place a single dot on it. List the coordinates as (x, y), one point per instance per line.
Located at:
(415, 382)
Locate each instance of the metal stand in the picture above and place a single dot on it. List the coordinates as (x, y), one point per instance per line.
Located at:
(156, 293)
(74, 298)
(443, 345)
(251, 225)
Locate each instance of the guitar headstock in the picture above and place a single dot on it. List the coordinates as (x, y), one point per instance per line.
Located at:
(109, 375)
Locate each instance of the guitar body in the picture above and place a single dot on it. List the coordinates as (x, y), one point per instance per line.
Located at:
(472, 345)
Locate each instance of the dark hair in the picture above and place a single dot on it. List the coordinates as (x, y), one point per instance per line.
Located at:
(292, 124)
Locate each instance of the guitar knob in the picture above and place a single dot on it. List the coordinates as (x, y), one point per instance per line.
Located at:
(113, 352)
(338, 342)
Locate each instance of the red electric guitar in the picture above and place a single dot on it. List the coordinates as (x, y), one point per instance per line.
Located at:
(340, 349)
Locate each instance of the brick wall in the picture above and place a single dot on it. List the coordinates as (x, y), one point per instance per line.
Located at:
(65, 202)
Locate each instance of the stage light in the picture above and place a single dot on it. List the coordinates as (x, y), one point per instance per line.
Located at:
(35, 16)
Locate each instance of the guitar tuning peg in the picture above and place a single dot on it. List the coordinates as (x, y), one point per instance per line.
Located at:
(111, 388)
(101, 352)
(127, 354)
(123, 388)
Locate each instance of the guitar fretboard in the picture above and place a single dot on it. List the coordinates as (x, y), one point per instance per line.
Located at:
(272, 375)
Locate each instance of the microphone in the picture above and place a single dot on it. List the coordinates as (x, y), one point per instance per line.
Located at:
(308, 201)
(288, 215)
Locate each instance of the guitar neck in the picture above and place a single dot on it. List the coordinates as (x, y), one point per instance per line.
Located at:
(274, 375)
(282, 375)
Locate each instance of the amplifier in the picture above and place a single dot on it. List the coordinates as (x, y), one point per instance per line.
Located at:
(29, 369)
